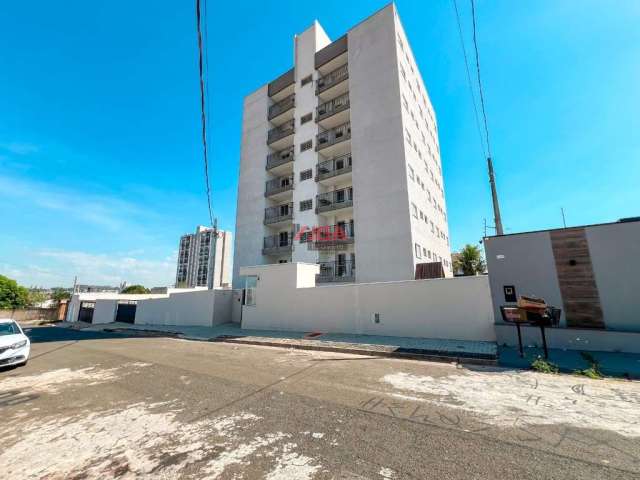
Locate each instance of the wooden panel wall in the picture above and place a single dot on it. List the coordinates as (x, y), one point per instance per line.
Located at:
(575, 275)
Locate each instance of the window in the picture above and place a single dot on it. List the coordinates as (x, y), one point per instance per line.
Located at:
(411, 174)
(421, 215)
(415, 210)
(424, 252)
(306, 118)
(306, 174)
(306, 80)
(306, 205)
(418, 251)
(306, 145)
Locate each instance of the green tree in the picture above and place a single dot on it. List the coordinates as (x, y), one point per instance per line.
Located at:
(469, 260)
(135, 289)
(36, 297)
(60, 294)
(12, 295)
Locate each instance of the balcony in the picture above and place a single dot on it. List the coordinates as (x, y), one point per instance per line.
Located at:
(278, 185)
(333, 136)
(278, 244)
(281, 131)
(279, 213)
(333, 107)
(334, 167)
(281, 107)
(336, 200)
(332, 235)
(279, 158)
(340, 271)
(332, 79)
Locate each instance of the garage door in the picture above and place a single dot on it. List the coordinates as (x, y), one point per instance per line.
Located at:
(126, 312)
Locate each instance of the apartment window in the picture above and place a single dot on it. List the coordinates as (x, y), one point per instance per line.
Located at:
(421, 215)
(418, 251)
(306, 205)
(306, 80)
(415, 210)
(306, 145)
(306, 174)
(411, 174)
(424, 252)
(306, 118)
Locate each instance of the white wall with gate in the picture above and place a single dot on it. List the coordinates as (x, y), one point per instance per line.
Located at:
(194, 308)
(287, 298)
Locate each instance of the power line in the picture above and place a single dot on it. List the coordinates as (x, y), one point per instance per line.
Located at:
(203, 110)
(475, 45)
(469, 82)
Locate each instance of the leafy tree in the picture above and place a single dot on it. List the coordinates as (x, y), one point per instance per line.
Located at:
(60, 294)
(469, 260)
(135, 289)
(36, 297)
(12, 295)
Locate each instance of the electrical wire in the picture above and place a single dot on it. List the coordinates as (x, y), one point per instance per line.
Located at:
(475, 45)
(203, 109)
(469, 82)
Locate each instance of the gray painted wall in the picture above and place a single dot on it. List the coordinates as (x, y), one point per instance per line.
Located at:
(526, 261)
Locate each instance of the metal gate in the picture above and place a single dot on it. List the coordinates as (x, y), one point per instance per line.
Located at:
(126, 312)
(85, 314)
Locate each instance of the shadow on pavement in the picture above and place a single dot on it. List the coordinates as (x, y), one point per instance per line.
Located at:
(60, 334)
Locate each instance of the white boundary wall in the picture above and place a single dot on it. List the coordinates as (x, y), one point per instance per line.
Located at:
(204, 308)
(286, 298)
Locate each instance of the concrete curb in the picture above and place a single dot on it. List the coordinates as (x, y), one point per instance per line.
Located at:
(363, 349)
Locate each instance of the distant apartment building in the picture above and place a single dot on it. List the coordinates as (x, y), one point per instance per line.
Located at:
(340, 162)
(195, 259)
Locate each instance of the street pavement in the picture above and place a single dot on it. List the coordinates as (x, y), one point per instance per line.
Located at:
(98, 405)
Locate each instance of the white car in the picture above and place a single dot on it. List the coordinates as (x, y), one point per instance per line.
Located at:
(14, 344)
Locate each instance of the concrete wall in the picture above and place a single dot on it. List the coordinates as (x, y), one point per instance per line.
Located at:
(287, 299)
(77, 298)
(26, 314)
(197, 308)
(250, 230)
(381, 206)
(527, 262)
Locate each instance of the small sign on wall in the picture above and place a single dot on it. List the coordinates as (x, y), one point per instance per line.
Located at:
(510, 293)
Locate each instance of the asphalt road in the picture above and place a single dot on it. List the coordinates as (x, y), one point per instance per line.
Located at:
(90, 405)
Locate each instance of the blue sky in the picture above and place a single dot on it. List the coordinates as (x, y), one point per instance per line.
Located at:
(100, 160)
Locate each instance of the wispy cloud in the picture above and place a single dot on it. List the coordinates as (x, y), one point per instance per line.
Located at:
(51, 267)
(108, 212)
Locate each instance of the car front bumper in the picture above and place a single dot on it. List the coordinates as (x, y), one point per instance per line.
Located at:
(13, 357)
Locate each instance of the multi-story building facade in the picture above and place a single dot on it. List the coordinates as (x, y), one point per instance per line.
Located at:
(196, 258)
(347, 141)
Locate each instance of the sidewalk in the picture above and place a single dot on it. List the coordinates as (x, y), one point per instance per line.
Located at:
(403, 347)
(611, 363)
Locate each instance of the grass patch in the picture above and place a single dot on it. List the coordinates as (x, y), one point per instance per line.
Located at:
(593, 371)
(544, 366)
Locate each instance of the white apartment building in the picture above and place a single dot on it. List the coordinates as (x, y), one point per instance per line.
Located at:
(347, 141)
(195, 259)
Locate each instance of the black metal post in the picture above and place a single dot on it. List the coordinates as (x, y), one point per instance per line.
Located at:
(520, 340)
(544, 343)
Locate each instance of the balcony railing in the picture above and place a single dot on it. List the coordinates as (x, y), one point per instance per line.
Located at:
(284, 130)
(334, 167)
(331, 79)
(279, 158)
(334, 200)
(331, 235)
(277, 244)
(333, 136)
(340, 271)
(282, 106)
(278, 185)
(279, 213)
(332, 107)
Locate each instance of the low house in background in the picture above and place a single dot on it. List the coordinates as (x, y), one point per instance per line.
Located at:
(590, 272)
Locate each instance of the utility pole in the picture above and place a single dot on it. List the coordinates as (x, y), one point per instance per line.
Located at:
(494, 197)
(564, 221)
